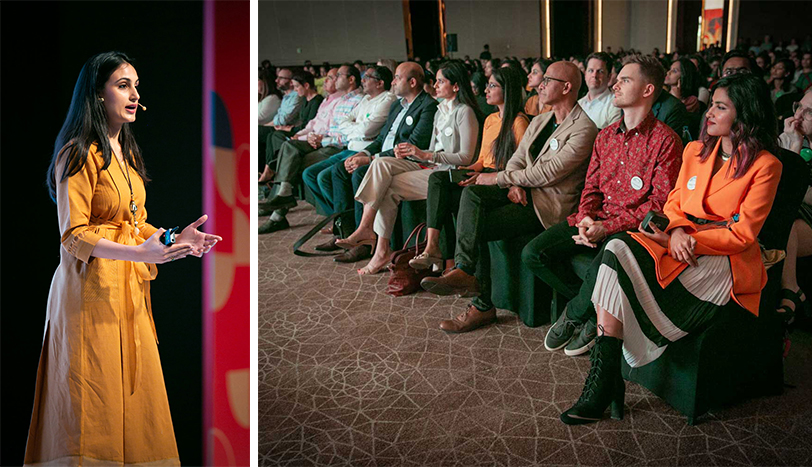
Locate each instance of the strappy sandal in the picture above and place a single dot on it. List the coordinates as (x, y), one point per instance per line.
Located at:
(798, 302)
(424, 261)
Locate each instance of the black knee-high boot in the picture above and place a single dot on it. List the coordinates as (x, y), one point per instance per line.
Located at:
(604, 384)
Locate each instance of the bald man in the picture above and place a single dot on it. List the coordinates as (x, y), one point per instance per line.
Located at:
(411, 120)
(537, 189)
(634, 165)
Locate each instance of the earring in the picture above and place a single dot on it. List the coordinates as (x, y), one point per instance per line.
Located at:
(101, 99)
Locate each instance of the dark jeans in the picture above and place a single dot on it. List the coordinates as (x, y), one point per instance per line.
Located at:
(319, 178)
(548, 257)
(345, 185)
(486, 214)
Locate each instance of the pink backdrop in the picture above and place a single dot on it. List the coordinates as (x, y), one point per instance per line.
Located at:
(227, 269)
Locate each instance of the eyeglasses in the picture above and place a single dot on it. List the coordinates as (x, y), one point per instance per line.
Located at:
(735, 71)
(546, 80)
(806, 112)
(368, 76)
(493, 86)
(285, 77)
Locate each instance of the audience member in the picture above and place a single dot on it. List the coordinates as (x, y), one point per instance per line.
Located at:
(410, 120)
(598, 101)
(780, 78)
(489, 65)
(532, 107)
(318, 125)
(361, 127)
(486, 52)
(295, 155)
(501, 135)
(803, 79)
(683, 82)
(723, 195)
(404, 177)
(634, 165)
(270, 99)
(548, 168)
(291, 103)
(304, 86)
(796, 137)
(478, 84)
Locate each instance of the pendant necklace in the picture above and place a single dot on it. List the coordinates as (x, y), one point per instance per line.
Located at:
(133, 206)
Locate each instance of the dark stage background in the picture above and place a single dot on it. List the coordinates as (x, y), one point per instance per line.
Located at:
(44, 45)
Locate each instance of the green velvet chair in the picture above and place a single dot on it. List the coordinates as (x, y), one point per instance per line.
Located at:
(514, 287)
(739, 355)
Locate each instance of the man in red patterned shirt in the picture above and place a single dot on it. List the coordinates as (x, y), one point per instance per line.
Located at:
(634, 165)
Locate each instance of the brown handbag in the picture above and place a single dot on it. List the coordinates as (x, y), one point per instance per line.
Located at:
(405, 280)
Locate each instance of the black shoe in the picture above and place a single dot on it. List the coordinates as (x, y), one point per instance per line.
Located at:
(560, 333)
(279, 202)
(354, 254)
(328, 246)
(604, 385)
(272, 226)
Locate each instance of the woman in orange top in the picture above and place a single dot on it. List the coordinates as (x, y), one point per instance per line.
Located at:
(531, 104)
(100, 395)
(500, 136)
(654, 288)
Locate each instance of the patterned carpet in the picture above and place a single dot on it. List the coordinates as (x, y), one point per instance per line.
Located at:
(351, 376)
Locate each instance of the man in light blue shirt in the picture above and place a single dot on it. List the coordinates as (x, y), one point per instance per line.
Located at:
(288, 112)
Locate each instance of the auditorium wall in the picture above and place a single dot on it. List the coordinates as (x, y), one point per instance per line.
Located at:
(292, 32)
(648, 24)
(509, 27)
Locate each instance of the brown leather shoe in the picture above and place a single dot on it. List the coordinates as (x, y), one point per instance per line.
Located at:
(354, 254)
(329, 245)
(470, 320)
(452, 282)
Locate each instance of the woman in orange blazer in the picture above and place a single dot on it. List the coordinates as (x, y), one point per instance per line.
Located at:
(653, 288)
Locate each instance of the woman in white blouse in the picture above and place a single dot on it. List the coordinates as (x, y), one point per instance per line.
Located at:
(405, 176)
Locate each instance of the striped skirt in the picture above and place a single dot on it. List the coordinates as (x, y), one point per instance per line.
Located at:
(626, 286)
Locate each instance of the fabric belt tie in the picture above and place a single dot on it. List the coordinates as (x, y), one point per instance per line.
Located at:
(138, 274)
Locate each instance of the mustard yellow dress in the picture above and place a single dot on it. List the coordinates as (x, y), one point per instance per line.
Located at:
(100, 397)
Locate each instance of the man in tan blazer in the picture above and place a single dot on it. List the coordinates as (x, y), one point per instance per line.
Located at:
(549, 167)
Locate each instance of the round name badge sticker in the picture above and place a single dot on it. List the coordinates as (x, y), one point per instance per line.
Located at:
(409, 120)
(692, 183)
(637, 183)
(448, 131)
(554, 144)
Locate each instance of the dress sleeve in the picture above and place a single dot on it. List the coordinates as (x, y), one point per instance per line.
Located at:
(74, 198)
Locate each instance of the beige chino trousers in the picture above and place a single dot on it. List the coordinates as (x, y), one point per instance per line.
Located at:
(389, 181)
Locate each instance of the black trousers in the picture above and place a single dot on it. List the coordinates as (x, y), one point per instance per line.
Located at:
(486, 214)
(548, 257)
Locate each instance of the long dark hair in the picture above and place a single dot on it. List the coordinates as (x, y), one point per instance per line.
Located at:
(86, 124)
(456, 74)
(689, 78)
(754, 129)
(505, 144)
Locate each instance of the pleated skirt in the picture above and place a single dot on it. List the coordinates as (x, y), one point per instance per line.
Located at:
(626, 286)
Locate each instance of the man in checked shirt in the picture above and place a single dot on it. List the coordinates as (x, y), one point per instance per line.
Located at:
(634, 165)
